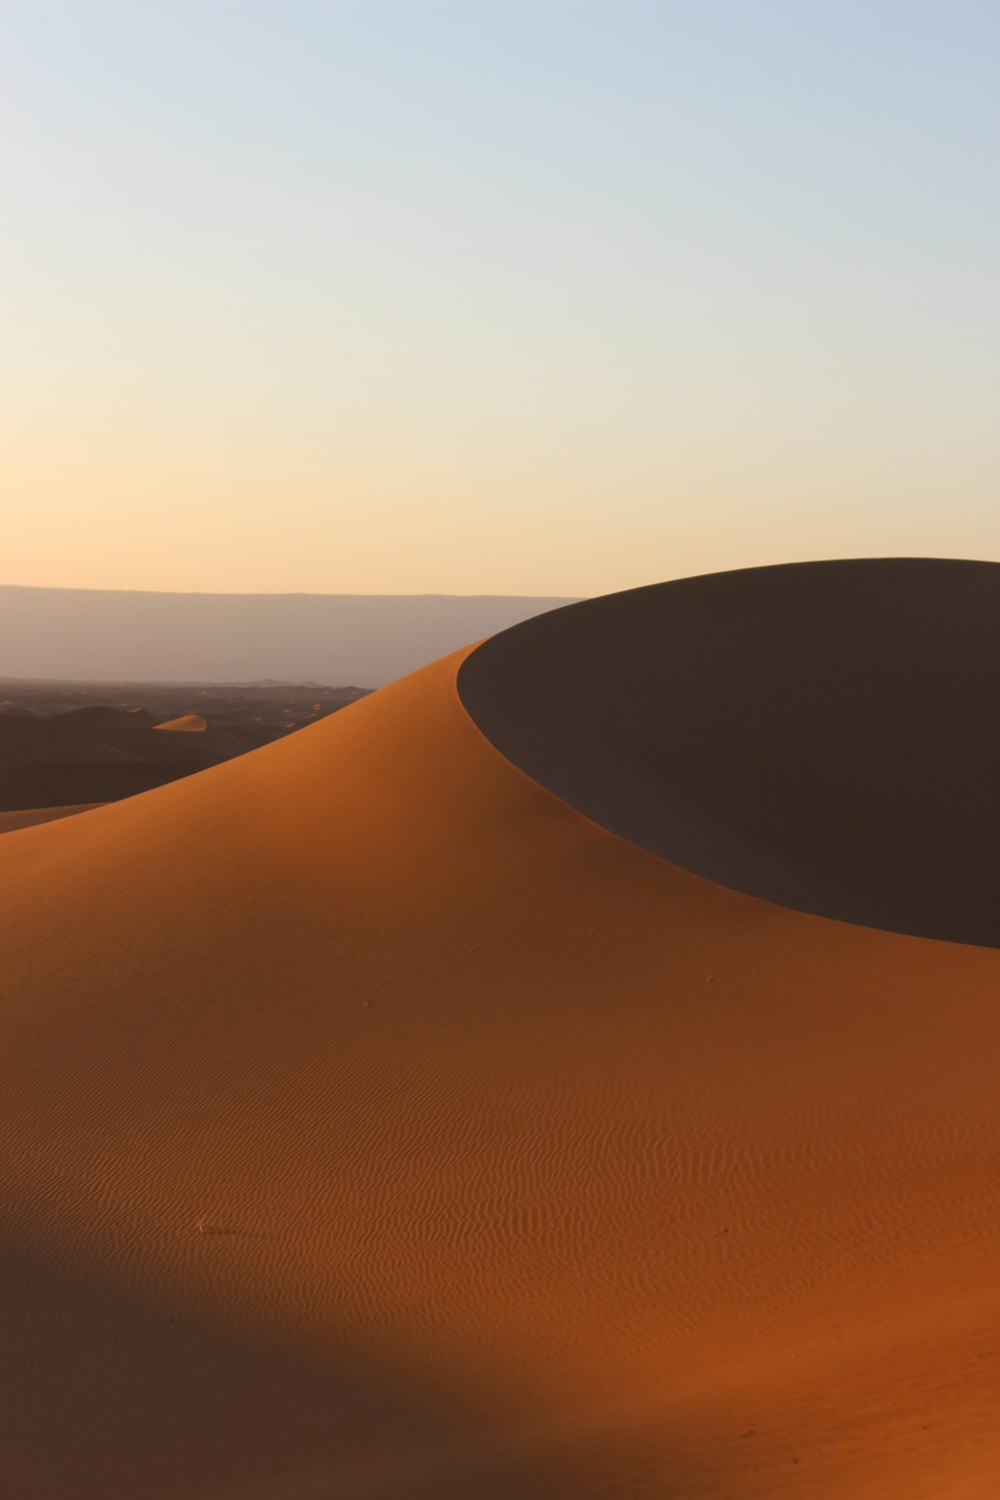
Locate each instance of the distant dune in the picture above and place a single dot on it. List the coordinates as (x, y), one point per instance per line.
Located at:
(27, 818)
(382, 1121)
(64, 744)
(328, 638)
(184, 724)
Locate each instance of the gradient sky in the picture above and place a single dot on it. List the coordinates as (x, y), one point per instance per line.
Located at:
(548, 297)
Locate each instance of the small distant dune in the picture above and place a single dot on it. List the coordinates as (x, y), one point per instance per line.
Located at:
(185, 724)
(570, 1074)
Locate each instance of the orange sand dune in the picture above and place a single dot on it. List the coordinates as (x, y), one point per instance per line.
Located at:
(378, 1125)
(184, 724)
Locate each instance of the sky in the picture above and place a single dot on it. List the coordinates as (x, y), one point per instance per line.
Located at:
(494, 296)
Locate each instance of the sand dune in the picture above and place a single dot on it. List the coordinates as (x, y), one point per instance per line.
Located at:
(376, 1124)
(184, 724)
(826, 736)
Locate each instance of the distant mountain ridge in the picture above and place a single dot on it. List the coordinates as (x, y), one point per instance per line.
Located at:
(125, 635)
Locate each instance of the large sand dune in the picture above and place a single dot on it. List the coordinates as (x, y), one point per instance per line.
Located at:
(379, 1125)
(823, 735)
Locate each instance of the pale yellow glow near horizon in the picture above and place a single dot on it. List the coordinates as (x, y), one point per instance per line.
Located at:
(304, 306)
(211, 523)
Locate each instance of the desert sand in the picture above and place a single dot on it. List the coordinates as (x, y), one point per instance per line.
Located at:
(378, 1124)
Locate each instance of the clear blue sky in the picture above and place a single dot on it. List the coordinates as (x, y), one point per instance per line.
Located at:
(548, 297)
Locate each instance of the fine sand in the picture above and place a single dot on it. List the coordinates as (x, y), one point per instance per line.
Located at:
(378, 1125)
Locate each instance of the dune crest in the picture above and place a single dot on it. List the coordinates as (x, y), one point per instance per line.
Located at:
(376, 1124)
(824, 735)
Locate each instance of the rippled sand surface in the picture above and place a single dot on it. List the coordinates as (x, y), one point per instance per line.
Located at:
(376, 1124)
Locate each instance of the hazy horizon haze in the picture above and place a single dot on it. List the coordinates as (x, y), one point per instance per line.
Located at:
(129, 635)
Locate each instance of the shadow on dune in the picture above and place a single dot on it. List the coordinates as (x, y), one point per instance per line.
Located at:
(822, 735)
(113, 1392)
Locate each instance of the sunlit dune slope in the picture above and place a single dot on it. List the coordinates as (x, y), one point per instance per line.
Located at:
(378, 1125)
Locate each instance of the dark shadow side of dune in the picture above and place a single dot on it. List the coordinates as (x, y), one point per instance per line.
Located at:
(154, 1399)
(823, 735)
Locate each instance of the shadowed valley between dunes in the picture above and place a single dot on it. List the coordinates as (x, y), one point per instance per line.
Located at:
(67, 746)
